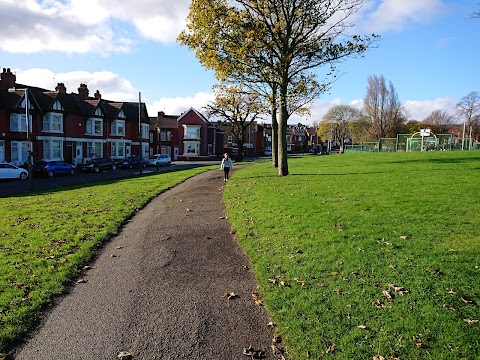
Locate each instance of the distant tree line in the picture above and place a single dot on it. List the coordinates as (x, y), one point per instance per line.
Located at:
(383, 116)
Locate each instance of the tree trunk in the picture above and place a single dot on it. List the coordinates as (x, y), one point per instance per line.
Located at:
(274, 137)
(282, 133)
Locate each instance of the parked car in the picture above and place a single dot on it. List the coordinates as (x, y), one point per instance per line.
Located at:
(8, 171)
(99, 164)
(159, 160)
(134, 162)
(53, 168)
(267, 152)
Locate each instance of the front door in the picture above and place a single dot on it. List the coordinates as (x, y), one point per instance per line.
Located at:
(175, 153)
(2, 151)
(78, 153)
(128, 150)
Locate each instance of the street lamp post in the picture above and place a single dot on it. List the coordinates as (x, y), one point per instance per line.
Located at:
(140, 128)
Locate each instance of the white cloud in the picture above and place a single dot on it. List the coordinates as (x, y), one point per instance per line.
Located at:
(94, 26)
(178, 105)
(420, 109)
(112, 86)
(396, 15)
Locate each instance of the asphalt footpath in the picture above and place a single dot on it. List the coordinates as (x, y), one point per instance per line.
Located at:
(173, 284)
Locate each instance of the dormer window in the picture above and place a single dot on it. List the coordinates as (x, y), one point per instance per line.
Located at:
(118, 127)
(94, 126)
(53, 122)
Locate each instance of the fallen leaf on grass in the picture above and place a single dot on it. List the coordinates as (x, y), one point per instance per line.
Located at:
(398, 289)
(277, 339)
(231, 295)
(331, 348)
(387, 294)
(392, 266)
(469, 321)
(82, 281)
(363, 327)
(466, 301)
(449, 307)
(379, 305)
(271, 323)
(275, 279)
(378, 357)
(403, 237)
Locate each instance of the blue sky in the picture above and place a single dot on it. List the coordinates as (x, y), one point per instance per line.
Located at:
(429, 51)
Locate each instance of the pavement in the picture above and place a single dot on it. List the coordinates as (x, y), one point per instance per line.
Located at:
(159, 289)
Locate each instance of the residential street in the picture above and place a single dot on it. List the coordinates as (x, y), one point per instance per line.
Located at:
(157, 290)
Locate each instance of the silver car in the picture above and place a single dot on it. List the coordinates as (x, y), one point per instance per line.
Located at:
(159, 160)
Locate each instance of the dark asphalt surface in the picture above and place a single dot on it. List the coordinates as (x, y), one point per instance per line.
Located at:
(157, 289)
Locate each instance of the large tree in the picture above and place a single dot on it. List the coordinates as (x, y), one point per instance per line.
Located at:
(439, 121)
(276, 41)
(382, 107)
(337, 121)
(238, 108)
(468, 111)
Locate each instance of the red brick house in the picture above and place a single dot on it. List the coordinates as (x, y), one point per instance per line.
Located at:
(197, 137)
(72, 127)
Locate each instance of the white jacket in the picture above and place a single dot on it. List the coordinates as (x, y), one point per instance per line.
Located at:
(226, 163)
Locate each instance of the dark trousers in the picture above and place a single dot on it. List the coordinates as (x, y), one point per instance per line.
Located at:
(226, 170)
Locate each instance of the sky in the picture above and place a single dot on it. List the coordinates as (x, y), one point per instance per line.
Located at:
(428, 50)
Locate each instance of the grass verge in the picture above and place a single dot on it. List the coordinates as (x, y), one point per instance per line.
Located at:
(47, 237)
(366, 255)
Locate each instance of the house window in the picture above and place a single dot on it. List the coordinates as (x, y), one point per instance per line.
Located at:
(52, 149)
(94, 149)
(2, 150)
(192, 148)
(145, 131)
(169, 135)
(94, 126)
(118, 149)
(210, 149)
(300, 138)
(18, 123)
(19, 152)
(53, 122)
(118, 127)
(229, 140)
(289, 138)
(192, 132)
(289, 147)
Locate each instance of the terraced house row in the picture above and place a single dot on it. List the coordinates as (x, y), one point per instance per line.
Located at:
(77, 127)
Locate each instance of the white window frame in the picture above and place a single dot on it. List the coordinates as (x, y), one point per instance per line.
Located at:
(118, 149)
(17, 121)
(50, 119)
(192, 132)
(18, 157)
(2, 150)
(191, 145)
(229, 139)
(145, 131)
(53, 149)
(92, 123)
(118, 127)
(94, 149)
(289, 138)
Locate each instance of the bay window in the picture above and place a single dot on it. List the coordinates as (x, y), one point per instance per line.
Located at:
(52, 149)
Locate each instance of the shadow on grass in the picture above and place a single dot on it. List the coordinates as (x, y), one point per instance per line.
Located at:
(99, 182)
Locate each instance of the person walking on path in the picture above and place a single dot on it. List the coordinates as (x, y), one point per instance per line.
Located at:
(226, 166)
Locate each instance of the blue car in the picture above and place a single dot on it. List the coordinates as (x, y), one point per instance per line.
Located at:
(53, 168)
(134, 162)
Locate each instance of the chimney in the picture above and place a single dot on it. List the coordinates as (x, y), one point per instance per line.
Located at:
(97, 95)
(60, 88)
(83, 91)
(161, 114)
(8, 79)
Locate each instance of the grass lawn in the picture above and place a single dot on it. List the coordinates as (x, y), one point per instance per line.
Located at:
(366, 255)
(47, 237)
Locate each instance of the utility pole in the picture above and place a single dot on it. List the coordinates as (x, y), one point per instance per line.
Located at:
(140, 129)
